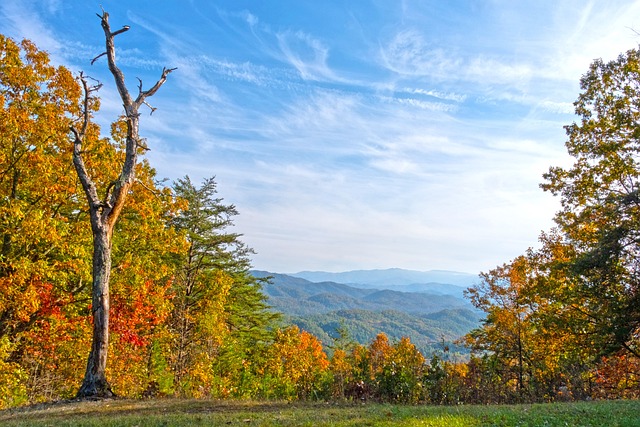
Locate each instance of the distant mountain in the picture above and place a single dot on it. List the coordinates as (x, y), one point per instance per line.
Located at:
(300, 297)
(427, 288)
(434, 315)
(390, 277)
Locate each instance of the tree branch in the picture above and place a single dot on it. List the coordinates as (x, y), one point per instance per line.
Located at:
(105, 201)
(121, 30)
(111, 58)
(86, 181)
(146, 187)
(145, 94)
(99, 56)
(153, 109)
(127, 175)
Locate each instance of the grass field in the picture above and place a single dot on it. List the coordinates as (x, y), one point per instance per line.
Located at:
(176, 412)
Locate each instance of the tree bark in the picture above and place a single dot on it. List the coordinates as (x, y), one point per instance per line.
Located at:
(95, 382)
(105, 212)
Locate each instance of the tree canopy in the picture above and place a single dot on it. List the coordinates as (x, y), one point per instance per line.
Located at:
(601, 204)
(578, 296)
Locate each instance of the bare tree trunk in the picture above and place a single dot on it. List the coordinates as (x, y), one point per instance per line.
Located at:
(105, 212)
(95, 381)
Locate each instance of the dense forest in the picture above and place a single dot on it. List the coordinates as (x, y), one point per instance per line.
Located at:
(186, 317)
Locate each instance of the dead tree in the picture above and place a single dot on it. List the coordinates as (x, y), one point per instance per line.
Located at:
(104, 211)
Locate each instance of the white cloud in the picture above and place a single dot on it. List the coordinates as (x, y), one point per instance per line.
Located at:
(424, 105)
(557, 107)
(446, 96)
(408, 53)
(307, 54)
(24, 22)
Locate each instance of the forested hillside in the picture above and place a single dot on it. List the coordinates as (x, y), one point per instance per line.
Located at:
(435, 333)
(432, 321)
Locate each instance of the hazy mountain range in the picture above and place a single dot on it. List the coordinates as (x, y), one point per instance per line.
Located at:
(390, 277)
(428, 307)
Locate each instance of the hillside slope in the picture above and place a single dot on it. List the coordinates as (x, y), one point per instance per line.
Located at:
(300, 297)
(431, 320)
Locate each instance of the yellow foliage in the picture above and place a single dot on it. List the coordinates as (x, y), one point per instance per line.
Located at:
(13, 389)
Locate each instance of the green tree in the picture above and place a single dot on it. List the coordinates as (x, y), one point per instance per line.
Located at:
(600, 214)
(219, 309)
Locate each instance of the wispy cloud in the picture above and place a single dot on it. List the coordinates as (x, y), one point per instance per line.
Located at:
(307, 54)
(24, 22)
(408, 53)
(380, 134)
(446, 96)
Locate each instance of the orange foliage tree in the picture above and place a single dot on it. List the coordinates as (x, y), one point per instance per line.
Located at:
(45, 272)
(43, 250)
(295, 365)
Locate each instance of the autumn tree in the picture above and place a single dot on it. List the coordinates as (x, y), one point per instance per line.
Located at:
(400, 379)
(141, 288)
(105, 205)
(617, 377)
(36, 99)
(528, 334)
(382, 370)
(579, 296)
(506, 331)
(45, 268)
(295, 365)
(342, 363)
(600, 214)
(43, 244)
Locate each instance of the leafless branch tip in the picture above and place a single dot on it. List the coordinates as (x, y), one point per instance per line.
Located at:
(97, 57)
(121, 30)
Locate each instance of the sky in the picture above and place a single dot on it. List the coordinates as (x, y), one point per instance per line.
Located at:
(353, 134)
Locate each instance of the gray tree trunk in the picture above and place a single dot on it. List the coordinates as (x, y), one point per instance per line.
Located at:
(95, 381)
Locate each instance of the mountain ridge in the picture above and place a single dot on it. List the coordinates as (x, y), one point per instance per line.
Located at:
(435, 315)
(390, 277)
(300, 297)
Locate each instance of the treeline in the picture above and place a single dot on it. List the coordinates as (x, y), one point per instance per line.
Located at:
(397, 372)
(187, 318)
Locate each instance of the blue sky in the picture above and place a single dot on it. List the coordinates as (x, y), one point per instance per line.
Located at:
(354, 134)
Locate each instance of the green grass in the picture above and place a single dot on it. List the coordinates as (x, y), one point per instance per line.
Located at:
(177, 412)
